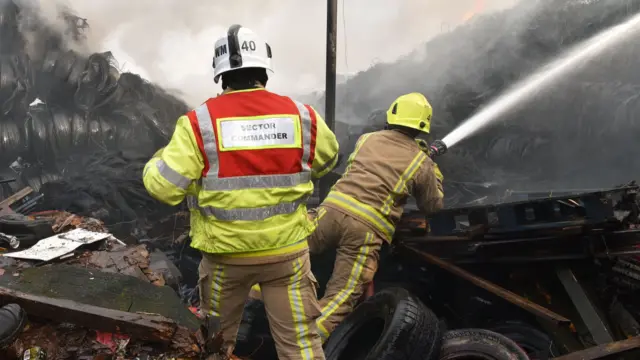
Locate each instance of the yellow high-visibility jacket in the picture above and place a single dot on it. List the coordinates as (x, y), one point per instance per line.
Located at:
(245, 161)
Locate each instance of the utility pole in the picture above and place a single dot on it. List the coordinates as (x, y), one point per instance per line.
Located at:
(330, 80)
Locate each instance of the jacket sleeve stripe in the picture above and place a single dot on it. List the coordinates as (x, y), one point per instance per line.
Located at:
(314, 132)
(307, 138)
(329, 164)
(406, 176)
(195, 127)
(205, 124)
(172, 176)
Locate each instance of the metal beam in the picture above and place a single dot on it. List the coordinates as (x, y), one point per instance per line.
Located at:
(589, 314)
(503, 293)
(330, 79)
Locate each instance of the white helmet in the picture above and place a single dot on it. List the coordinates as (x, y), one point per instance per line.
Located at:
(241, 48)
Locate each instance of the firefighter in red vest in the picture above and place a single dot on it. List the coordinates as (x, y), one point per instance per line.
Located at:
(244, 161)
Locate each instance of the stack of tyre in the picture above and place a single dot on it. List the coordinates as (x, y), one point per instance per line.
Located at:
(393, 324)
(85, 140)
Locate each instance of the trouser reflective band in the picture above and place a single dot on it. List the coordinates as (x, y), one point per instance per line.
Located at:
(364, 211)
(340, 304)
(247, 214)
(288, 292)
(172, 176)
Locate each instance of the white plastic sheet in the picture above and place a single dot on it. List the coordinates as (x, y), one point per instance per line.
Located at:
(59, 245)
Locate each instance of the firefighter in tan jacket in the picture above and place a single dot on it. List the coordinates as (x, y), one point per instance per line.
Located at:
(364, 206)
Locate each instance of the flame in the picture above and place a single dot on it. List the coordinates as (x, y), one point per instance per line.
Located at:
(478, 6)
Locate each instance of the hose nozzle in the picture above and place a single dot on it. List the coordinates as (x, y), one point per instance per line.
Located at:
(437, 148)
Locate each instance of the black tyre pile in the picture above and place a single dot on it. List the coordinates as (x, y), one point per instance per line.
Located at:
(93, 129)
(556, 140)
(393, 324)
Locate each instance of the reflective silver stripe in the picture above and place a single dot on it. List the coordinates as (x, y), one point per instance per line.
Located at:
(205, 122)
(255, 182)
(172, 176)
(305, 118)
(250, 214)
(328, 164)
(192, 202)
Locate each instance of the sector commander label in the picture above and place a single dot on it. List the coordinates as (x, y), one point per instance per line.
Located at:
(259, 133)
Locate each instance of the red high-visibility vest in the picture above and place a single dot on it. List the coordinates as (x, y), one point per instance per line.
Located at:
(257, 135)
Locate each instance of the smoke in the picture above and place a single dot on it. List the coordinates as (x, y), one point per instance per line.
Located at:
(172, 40)
(577, 134)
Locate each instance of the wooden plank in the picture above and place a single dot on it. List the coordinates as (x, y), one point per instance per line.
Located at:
(604, 350)
(5, 205)
(505, 294)
(142, 326)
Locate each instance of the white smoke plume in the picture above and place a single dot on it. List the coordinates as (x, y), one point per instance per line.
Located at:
(172, 40)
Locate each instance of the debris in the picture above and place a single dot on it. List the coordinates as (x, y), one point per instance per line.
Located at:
(132, 261)
(27, 229)
(493, 288)
(34, 353)
(604, 350)
(13, 241)
(142, 326)
(5, 205)
(113, 341)
(58, 245)
(64, 221)
(163, 267)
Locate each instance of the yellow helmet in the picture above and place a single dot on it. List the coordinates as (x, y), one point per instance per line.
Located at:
(412, 111)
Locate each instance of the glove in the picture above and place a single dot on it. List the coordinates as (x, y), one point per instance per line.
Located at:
(437, 148)
(423, 145)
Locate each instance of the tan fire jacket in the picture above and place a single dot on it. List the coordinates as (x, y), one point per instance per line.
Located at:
(386, 168)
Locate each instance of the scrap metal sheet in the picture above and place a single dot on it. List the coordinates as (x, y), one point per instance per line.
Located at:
(59, 245)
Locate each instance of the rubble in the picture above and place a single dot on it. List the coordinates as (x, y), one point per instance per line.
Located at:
(102, 298)
(134, 261)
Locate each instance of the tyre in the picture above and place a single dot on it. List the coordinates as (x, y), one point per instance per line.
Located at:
(479, 344)
(391, 325)
(534, 342)
(28, 231)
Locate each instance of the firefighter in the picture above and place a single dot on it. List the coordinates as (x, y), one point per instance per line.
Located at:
(244, 161)
(362, 209)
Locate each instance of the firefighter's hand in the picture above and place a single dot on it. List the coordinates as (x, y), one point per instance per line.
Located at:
(423, 145)
(312, 213)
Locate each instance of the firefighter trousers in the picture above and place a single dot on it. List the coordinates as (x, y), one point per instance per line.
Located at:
(290, 298)
(356, 263)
